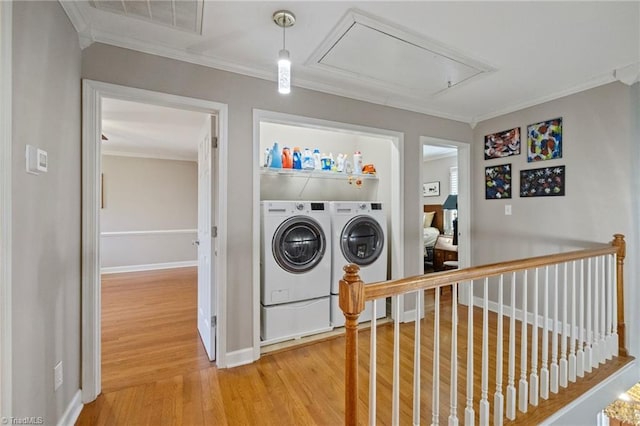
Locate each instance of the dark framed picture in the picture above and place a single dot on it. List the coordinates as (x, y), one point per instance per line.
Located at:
(497, 182)
(431, 189)
(544, 182)
(544, 140)
(502, 144)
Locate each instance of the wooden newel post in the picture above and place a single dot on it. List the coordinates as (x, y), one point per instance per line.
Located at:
(351, 300)
(618, 241)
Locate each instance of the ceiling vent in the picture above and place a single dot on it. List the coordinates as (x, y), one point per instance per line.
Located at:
(185, 15)
(366, 48)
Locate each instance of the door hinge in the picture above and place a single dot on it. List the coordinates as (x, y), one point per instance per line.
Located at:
(214, 320)
(214, 232)
(214, 142)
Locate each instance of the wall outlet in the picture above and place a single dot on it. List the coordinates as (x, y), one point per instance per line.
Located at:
(57, 375)
(507, 210)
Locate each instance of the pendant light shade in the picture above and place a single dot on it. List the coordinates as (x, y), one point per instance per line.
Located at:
(284, 72)
(284, 19)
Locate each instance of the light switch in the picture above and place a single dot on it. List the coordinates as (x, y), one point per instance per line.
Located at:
(507, 209)
(37, 160)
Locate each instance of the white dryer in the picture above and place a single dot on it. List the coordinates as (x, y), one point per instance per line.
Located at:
(295, 269)
(359, 236)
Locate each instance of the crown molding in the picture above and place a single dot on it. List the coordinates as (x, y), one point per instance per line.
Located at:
(150, 155)
(79, 22)
(628, 75)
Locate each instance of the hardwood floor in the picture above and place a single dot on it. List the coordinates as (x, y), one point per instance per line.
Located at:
(174, 384)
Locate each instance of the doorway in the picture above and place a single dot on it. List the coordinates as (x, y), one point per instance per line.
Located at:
(93, 95)
(444, 157)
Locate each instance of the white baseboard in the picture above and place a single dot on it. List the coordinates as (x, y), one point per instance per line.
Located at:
(148, 267)
(73, 410)
(238, 358)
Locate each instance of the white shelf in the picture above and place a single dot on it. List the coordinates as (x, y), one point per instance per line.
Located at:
(321, 174)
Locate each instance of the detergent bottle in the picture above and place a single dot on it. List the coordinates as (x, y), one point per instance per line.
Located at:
(276, 157)
(357, 162)
(317, 161)
(297, 158)
(287, 159)
(307, 160)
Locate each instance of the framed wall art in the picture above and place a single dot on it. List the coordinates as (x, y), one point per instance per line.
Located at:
(502, 144)
(431, 189)
(497, 182)
(544, 140)
(544, 182)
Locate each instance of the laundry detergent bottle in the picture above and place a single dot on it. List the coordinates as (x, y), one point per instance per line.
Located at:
(307, 160)
(276, 157)
(297, 158)
(287, 158)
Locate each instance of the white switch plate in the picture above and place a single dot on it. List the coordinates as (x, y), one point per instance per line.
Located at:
(37, 160)
(507, 209)
(57, 375)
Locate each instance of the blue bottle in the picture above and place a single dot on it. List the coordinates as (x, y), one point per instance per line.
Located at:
(276, 157)
(297, 158)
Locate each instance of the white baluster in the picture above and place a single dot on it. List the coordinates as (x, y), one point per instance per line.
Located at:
(595, 351)
(395, 404)
(498, 399)
(373, 363)
(613, 344)
(573, 326)
(544, 371)
(469, 413)
(523, 386)
(614, 314)
(484, 387)
(588, 351)
(436, 362)
(416, 359)
(603, 312)
(534, 380)
(564, 376)
(511, 389)
(453, 415)
(609, 332)
(553, 370)
(580, 361)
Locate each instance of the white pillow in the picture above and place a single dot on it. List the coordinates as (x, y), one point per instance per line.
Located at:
(428, 218)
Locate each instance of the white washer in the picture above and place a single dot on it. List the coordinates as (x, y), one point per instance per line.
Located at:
(295, 269)
(359, 231)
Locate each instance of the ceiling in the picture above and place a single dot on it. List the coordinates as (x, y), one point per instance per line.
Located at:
(141, 130)
(467, 61)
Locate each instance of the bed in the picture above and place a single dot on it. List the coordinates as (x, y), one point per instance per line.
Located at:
(433, 224)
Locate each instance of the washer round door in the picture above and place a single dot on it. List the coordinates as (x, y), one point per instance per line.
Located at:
(362, 240)
(298, 244)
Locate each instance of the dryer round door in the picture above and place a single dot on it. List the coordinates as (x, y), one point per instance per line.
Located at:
(298, 244)
(362, 240)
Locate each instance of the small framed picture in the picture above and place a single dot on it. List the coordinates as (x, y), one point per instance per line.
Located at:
(502, 144)
(497, 182)
(544, 140)
(544, 182)
(431, 189)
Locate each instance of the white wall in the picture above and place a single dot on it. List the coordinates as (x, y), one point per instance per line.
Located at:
(46, 211)
(242, 94)
(148, 206)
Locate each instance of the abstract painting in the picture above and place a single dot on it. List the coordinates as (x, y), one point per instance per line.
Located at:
(497, 182)
(502, 144)
(545, 182)
(544, 140)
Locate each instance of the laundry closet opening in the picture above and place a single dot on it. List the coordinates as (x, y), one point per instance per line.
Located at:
(327, 194)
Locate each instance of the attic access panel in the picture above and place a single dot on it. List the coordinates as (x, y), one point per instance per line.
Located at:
(366, 48)
(185, 15)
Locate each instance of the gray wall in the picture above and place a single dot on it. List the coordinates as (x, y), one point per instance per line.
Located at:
(147, 194)
(46, 210)
(438, 170)
(601, 155)
(242, 94)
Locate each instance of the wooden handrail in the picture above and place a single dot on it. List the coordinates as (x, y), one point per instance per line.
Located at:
(351, 300)
(353, 295)
(424, 282)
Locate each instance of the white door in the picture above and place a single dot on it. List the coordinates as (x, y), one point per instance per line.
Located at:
(206, 264)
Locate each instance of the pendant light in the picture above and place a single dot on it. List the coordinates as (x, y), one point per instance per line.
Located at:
(284, 19)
